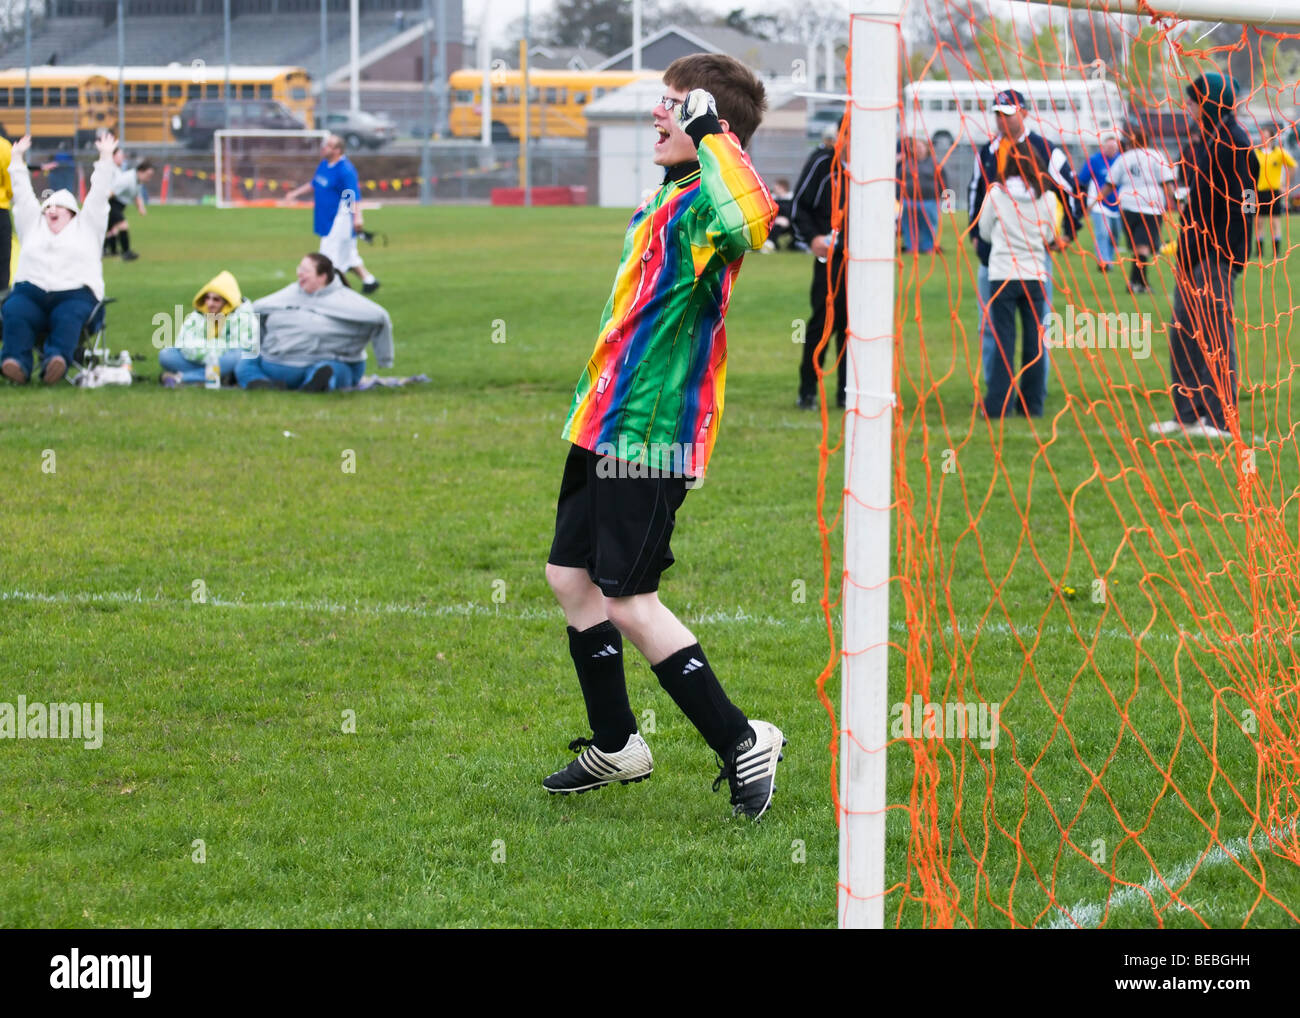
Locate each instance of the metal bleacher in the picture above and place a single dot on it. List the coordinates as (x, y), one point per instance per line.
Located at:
(270, 39)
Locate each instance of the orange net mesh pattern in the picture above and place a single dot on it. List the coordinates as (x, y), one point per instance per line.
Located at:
(1095, 613)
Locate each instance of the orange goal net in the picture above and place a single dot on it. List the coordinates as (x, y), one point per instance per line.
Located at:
(1092, 697)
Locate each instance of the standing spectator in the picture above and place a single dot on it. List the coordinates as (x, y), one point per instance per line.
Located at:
(128, 186)
(1143, 180)
(1275, 166)
(811, 215)
(1106, 217)
(61, 171)
(1018, 222)
(782, 228)
(60, 275)
(1220, 170)
(6, 223)
(921, 184)
(337, 214)
(1009, 108)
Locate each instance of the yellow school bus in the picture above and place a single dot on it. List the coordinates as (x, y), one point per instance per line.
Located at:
(72, 103)
(68, 103)
(557, 101)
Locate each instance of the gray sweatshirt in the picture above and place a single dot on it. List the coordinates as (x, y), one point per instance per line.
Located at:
(334, 323)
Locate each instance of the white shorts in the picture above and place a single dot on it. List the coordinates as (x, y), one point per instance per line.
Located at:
(339, 245)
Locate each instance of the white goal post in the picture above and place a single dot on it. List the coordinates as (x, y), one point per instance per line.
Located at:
(868, 460)
(269, 159)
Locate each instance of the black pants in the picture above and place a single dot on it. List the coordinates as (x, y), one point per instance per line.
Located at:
(832, 268)
(1203, 343)
(6, 247)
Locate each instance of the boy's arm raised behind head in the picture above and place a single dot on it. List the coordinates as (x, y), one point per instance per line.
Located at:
(743, 209)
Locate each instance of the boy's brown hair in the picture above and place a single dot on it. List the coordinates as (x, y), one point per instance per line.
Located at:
(740, 96)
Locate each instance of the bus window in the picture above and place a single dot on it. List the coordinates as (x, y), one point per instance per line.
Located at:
(1060, 104)
(264, 92)
(194, 91)
(174, 91)
(38, 97)
(533, 93)
(952, 105)
(56, 97)
(246, 91)
(499, 94)
(968, 104)
(465, 97)
(212, 91)
(580, 98)
(298, 93)
(1043, 104)
(936, 105)
(4, 97)
(554, 96)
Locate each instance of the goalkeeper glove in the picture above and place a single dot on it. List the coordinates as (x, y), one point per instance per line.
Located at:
(699, 115)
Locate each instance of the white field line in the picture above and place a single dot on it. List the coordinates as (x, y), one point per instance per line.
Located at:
(1085, 915)
(473, 608)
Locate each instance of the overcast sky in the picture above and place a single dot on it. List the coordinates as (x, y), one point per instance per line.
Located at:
(505, 11)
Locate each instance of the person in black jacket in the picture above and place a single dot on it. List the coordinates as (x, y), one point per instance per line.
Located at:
(1220, 170)
(811, 217)
(1009, 108)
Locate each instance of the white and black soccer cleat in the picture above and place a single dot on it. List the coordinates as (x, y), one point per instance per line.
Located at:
(752, 769)
(595, 768)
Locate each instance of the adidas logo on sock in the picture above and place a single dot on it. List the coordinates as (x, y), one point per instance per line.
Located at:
(609, 651)
(691, 665)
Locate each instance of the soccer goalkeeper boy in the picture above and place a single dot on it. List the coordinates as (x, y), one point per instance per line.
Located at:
(642, 425)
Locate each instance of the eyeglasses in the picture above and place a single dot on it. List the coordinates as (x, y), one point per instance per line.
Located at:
(669, 104)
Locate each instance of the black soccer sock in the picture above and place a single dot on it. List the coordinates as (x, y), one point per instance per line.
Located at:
(110, 245)
(689, 680)
(598, 659)
(1142, 272)
(124, 238)
(1277, 245)
(1135, 274)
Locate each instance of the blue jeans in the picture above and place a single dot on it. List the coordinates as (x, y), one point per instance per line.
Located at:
(988, 341)
(30, 312)
(346, 373)
(920, 223)
(1014, 298)
(193, 372)
(1106, 231)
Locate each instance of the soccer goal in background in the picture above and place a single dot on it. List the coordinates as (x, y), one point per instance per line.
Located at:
(255, 167)
(1070, 681)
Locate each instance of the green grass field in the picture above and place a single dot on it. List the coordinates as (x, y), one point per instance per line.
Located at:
(202, 565)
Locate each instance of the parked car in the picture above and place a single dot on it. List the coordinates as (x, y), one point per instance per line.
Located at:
(360, 128)
(199, 118)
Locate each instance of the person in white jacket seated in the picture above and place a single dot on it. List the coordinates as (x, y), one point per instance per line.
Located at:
(60, 274)
(315, 333)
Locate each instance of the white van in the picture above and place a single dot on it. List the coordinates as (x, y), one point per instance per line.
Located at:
(1073, 113)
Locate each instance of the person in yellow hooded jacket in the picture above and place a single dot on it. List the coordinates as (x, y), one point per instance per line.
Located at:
(223, 322)
(6, 200)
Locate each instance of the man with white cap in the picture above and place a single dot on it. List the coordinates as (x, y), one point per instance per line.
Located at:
(60, 274)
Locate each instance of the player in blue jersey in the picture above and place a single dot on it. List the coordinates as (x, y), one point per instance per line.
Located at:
(337, 219)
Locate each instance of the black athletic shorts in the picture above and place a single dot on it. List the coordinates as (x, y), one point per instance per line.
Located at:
(1267, 199)
(1143, 230)
(116, 212)
(615, 526)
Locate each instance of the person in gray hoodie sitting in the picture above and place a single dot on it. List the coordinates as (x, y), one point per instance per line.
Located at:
(315, 332)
